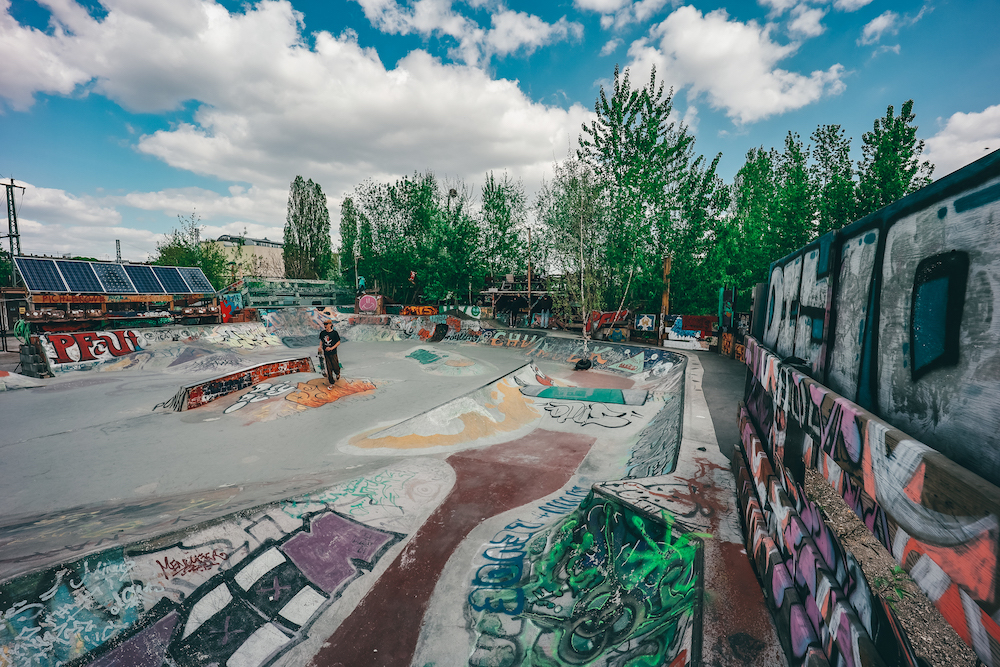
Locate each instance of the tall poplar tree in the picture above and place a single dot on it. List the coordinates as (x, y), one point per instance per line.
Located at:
(640, 156)
(306, 250)
(890, 167)
(502, 216)
(796, 207)
(832, 176)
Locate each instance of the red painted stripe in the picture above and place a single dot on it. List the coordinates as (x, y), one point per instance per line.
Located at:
(383, 629)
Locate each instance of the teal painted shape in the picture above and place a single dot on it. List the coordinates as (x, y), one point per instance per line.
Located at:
(584, 394)
(423, 356)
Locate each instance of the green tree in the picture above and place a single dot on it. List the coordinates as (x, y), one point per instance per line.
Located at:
(412, 225)
(795, 224)
(306, 250)
(572, 216)
(183, 246)
(6, 266)
(890, 167)
(832, 177)
(348, 240)
(748, 243)
(452, 259)
(640, 157)
(502, 216)
(695, 275)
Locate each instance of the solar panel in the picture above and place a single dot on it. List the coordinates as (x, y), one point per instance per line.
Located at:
(40, 275)
(79, 276)
(196, 280)
(143, 279)
(171, 279)
(114, 279)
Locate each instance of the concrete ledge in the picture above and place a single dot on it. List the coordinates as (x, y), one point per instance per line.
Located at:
(198, 394)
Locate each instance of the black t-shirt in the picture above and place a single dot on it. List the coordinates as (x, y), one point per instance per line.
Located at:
(328, 339)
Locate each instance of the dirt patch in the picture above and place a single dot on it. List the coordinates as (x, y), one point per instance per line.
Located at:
(931, 636)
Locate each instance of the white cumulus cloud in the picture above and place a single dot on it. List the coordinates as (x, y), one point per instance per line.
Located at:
(734, 64)
(620, 13)
(964, 138)
(885, 23)
(510, 32)
(272, 102)
(850, 5)
(806, 21)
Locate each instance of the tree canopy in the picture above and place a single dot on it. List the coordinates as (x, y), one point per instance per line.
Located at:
(183, 247)
(634, 196)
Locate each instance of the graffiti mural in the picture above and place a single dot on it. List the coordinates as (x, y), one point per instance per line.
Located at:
(196, 395)
(136, 348)
(598, 319)
(243, 591)
(419, 310)
(605, 585)
(645, 322)
(656, 450)
(904, 491)
(90, 346)
(493, 411)
(875, 363)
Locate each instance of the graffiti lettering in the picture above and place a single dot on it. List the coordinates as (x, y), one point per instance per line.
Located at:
(424, 311)
(586, 414)
(201, 562)
(90, 346)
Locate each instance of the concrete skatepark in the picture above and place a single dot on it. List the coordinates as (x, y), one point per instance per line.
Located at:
(461, 496)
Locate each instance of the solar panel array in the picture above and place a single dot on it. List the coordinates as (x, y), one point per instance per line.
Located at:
(67, 275)
(170, 279)
(143, 279)
(114, 278)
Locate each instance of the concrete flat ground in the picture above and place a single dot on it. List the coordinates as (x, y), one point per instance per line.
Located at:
(400, 505)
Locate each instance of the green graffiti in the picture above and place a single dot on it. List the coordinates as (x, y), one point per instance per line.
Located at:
(604, 582)
(423, 356)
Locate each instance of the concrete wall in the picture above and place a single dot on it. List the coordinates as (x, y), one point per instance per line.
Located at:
(896, 313)
(879, 365)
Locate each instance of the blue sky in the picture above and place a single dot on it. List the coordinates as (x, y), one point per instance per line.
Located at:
(120, 115)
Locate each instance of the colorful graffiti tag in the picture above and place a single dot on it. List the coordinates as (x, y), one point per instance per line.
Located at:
(243, 591)
(929, 512)
(196, 395)
(604, 582)
(423, 311)
(91, 346)
(873, 362)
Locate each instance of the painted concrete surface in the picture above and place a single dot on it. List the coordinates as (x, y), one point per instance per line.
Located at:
(401, 516)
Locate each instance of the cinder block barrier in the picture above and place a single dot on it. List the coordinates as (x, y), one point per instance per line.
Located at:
(198, 394)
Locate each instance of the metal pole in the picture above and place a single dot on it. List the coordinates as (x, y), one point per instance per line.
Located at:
(529, 277)
(12, 232)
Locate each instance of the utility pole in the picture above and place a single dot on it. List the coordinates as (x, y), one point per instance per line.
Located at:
(529, 277)
(12, 232)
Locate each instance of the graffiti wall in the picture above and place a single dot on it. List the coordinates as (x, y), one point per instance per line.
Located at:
(201, 393)
(132, 348)
(938, 519)
(895, 313)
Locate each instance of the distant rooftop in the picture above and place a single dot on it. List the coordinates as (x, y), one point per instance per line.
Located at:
(246, 240)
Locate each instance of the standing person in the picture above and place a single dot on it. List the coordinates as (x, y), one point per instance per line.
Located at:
(329, 341)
